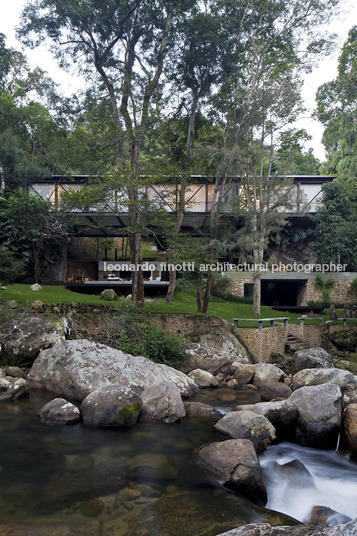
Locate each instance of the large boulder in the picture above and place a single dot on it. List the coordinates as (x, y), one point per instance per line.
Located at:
(235, 464)
(215, 352)
(312, 358)
(162, 402)
(203, 378)
(248, 425)
(342, 378)
(282, 414)
(73, 369)
(111, 406)
(13, 388)
(59, 411)
(264, 529)
(350, 427)
(319, 415)
(23, 340)
(266, 372)
(274, 390)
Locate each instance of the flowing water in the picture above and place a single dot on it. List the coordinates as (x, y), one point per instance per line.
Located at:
(80, 481)
(330, 481)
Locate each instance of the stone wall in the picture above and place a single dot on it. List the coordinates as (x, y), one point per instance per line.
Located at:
(261, 343)
(236, 286)
(189, 326)
(340, 293)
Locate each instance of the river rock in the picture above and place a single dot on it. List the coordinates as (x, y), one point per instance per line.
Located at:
(105, 478)
(111, 406)
(235, 464)
(248, 425)
(350, 427)
(282, 414)
(216, 351)
(312, 358)
(319, 415)
(349, 397)
(13, 388)
(152, 467)
(162, 402)
(108, 294)
(345, 340)
(36, 287)
(73, 369)
(342, 378)
(59, 411)
(323, 516)
(266, 372)
(199, 409)
(14, 372)
(274, 390)
(23, 340)
(37, 305)
(264, 529)
(243, 373)
(203, 378)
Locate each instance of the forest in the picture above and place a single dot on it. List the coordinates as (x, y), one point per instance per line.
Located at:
(180, 88)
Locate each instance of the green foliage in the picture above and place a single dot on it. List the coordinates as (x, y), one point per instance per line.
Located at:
(132, 332)
(354, 286)
(30, 228)
(336, 224)
(324, 286)
(336, 109)
(291, 159)
(11, 268)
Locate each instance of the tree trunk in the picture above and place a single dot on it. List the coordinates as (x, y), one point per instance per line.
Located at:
(199, 293)
(171, 287)
(257, 293)
(137, 282)
(207, 294)
(191, 125)
(180, 214)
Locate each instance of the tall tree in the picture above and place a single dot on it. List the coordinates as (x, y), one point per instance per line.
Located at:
(259, 103)
(337, 109)
(125, 45)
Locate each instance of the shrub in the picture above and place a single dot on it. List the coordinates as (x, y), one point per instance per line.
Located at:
(129, 330)
(324, 286)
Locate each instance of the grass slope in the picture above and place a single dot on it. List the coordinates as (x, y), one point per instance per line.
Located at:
(182, 303)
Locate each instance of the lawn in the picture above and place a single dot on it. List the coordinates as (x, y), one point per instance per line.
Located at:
(50, 294)
(183, 302)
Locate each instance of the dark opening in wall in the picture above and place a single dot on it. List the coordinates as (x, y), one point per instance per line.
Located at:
(281, 292)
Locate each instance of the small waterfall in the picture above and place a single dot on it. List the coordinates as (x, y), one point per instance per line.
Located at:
(300, 478)
(338, 441)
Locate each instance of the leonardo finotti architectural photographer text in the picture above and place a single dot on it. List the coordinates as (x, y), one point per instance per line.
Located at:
(226, 267)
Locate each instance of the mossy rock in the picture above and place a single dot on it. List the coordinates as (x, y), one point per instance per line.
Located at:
(345, 340)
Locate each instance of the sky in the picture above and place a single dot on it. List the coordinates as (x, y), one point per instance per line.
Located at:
(324, 71)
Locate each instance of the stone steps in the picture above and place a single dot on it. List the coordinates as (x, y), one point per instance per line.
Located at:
(294, 344)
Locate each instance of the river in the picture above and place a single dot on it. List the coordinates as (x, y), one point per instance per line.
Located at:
(142, 481)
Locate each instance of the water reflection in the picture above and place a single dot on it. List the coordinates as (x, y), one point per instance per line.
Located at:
(73, 480)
